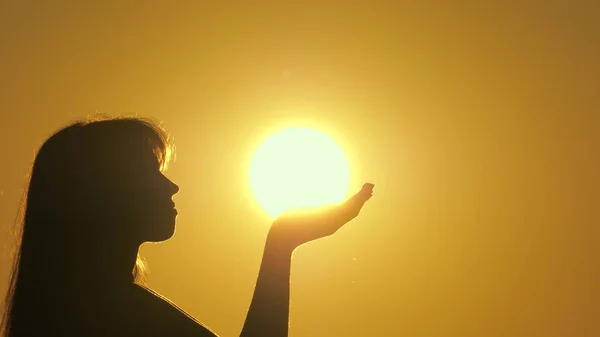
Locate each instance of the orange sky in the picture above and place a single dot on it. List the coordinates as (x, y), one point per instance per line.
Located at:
(478, 123)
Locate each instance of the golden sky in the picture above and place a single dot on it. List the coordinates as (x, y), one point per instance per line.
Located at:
(478, 121)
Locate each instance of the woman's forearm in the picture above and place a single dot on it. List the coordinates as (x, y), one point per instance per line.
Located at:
(268, 315)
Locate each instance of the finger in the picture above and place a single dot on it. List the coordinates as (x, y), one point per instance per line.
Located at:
(352, 207)
(368, 187)
(365, 193)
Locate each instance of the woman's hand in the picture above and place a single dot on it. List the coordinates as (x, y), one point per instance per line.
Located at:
(297, 227)
(269, 311)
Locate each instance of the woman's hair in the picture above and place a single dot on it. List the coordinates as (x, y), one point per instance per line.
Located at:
(63, 195)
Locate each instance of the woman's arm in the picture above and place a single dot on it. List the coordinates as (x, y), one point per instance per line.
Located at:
(268, 315)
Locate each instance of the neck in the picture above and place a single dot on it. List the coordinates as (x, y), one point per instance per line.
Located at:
(111, 265)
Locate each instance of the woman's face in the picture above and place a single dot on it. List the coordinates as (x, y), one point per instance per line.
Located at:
(144, 201)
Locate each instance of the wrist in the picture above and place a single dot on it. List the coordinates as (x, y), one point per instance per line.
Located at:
(276, 245)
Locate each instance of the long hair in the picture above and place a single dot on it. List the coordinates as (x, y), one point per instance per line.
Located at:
(60, 198)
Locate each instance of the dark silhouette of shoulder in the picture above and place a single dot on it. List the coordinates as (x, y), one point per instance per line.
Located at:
(131, 311)
(158, 316)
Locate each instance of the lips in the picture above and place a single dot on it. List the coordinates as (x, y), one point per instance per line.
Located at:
(171, 207)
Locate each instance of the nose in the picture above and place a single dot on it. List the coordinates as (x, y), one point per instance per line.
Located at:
(173, 187)
(169, 186)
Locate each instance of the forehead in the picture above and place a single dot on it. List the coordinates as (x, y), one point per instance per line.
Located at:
(136, 158)
(147, 158)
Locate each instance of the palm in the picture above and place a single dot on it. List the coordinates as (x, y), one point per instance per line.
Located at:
(297, 227)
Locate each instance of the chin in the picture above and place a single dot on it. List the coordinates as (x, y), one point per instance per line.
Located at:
(161, 232)
(160, 237)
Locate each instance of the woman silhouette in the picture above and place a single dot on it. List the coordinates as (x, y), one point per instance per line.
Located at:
(95, 194)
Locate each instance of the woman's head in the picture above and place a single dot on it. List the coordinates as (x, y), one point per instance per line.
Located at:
(96, 192)
(102, 180)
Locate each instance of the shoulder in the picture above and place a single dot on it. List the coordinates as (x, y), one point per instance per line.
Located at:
(168, 317)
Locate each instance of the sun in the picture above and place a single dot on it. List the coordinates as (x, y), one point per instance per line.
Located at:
(298, 167)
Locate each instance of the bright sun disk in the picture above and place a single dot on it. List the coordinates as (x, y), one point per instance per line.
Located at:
(298, 168)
